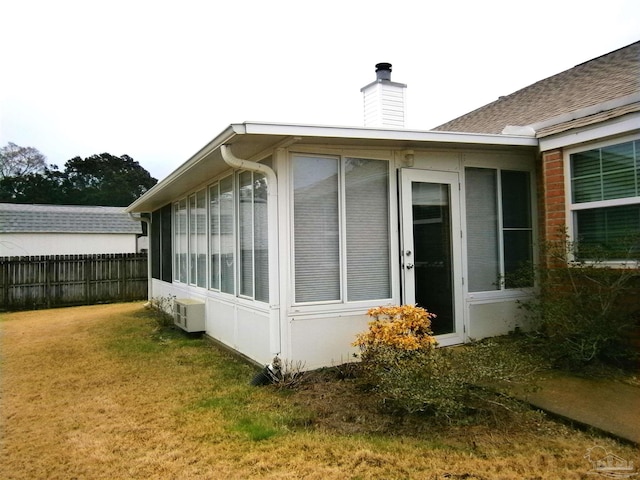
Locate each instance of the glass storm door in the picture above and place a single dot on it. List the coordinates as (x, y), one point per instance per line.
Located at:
(431, 249)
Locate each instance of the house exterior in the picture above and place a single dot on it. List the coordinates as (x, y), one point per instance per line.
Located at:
(587, 123)
(30, 230)
(288, 234)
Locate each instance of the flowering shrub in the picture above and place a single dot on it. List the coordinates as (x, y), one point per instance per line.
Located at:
(405, 327)
(400, 364)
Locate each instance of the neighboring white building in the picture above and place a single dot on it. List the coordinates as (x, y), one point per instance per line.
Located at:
(29, 230)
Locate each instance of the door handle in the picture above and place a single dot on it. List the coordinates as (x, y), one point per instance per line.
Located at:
(409, 266)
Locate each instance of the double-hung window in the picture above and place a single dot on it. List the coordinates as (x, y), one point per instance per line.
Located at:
(499, 228)
(605, 201)
(341, 229)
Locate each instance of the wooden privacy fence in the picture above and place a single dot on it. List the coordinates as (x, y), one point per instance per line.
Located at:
(64, 280)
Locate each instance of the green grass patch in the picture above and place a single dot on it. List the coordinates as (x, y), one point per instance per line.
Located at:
(256, 429)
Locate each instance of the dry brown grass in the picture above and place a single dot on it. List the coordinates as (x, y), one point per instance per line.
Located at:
(99, 393)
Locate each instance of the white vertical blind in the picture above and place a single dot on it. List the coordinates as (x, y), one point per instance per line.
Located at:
(316, 229)
(367, 229)
(245, 232)
(180, 244)
(227, 238)
(193, 240)
(260, 237)
(214, 232)
(482, 229)
(201, 240)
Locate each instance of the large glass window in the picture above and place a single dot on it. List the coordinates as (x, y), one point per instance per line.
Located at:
(161, 254)
(227, 236)
(605, 200)
(245, 231)
(260, 238)
(253, 232)
(499, 228)
(201, 238)
(214, 236)
(367, 226)
(180, 246)
(250, 277)
(341, 210)
(317, 230)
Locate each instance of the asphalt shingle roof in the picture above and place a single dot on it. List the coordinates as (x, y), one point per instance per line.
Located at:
(20, 218)
(605, 78)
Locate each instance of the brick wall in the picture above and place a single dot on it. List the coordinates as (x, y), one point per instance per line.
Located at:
(552, 196)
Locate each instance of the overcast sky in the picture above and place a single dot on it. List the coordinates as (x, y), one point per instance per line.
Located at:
(157, 80)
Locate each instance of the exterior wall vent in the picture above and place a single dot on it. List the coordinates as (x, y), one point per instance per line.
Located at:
(384, 100)
(188, 314)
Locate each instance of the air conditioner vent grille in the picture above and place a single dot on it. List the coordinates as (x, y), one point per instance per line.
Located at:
(188, 314)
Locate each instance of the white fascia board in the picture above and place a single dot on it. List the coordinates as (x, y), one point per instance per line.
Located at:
(327, 131)
(618, 126)
(427, 136)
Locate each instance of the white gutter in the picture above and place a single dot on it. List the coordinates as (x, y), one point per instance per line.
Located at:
(272, 223)
(235, 162)
(149, 279)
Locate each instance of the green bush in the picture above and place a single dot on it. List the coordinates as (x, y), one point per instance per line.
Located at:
(585, 310)
(448, 383)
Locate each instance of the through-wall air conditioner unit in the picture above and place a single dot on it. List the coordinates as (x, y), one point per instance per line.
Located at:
(188, 314)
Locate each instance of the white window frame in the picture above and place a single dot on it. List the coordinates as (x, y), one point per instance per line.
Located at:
(236, 240)
(494, 163)
(341, 302)
(571, 208)
(177, 243)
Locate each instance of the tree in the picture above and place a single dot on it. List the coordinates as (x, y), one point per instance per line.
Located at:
(33, 188)
(105, 179)
(17, 161)
(102, 179)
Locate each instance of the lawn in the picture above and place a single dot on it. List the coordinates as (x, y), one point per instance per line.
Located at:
(101, 392)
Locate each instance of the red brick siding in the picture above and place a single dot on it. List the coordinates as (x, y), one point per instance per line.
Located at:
(552, 195)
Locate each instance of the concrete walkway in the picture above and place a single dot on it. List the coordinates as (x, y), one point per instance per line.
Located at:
(609, 405)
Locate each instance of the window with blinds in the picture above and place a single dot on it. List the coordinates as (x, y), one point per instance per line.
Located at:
(499, 228)
(605, 195)
(180, 244)
(198, 239)
(341, 229)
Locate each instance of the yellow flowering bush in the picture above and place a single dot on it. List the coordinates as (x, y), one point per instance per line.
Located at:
(405, 327)
(401, 366)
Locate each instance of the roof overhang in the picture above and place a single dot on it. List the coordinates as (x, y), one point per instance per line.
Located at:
(250, 140)
(607, 119)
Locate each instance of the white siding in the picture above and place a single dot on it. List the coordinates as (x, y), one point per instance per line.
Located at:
(384, 105)
(29, 244)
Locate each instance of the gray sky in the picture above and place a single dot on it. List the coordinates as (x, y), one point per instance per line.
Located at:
(157, 80)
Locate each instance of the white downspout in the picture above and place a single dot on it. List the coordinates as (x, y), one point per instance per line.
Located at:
(149, 279)
(272, 222)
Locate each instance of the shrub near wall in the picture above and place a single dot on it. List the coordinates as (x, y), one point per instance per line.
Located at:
(403, 366)
(586, 312)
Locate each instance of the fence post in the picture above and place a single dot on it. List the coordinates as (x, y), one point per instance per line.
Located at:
(47, 279)
(5, 282)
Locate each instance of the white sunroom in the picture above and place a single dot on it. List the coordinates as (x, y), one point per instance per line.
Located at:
(285, 235)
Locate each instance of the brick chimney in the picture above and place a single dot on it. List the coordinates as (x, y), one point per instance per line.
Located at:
(384, 100)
